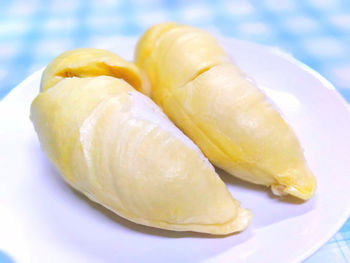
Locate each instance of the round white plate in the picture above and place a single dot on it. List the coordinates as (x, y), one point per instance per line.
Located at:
(44, 220)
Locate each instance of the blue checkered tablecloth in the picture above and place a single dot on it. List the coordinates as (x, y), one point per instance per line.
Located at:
(317, 32)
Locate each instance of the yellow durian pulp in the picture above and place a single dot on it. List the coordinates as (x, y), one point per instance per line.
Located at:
(214, 103)
(116, 146)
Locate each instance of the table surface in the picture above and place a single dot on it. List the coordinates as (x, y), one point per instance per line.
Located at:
(317, 32)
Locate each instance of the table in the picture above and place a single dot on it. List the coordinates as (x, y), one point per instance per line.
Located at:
(317, 32)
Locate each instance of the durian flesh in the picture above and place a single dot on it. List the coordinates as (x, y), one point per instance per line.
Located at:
(188, 74)
(115, 145)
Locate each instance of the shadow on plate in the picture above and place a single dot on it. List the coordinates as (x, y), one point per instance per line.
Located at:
(267, 208)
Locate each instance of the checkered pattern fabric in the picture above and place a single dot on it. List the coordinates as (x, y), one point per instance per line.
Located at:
(317, 32)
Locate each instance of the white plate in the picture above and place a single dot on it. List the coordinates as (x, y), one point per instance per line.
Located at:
(44, 220)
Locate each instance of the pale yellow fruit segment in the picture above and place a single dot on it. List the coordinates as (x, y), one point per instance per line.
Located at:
(117, 147)
(169, 69)
(223, 111)
(59, 124)
(89, 62)
(149, 40)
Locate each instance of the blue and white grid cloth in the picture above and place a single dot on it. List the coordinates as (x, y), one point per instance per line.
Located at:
(317, 32)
